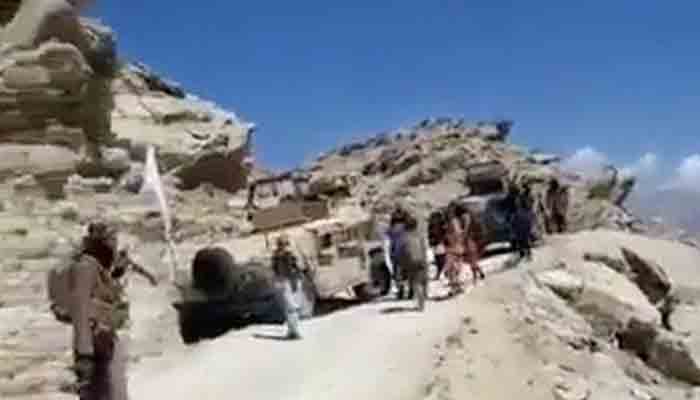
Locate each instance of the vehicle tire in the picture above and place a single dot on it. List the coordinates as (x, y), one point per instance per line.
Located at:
(364, 292)
(188, 330)
(212, 269)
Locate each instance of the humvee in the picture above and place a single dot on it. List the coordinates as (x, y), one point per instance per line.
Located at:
(487, 199)
(232, 285)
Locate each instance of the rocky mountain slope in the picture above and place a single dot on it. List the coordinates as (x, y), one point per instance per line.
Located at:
(595, 315)
(424, 166)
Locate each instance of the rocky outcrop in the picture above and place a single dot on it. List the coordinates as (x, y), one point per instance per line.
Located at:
(633, 299)
(196, 141)
(649, 276)
(670, 353)
(604, 297)
(60, 101)
(55, 100)
(651, 279)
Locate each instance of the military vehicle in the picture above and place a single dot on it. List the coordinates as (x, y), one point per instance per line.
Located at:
(231, 283)
(487, 199)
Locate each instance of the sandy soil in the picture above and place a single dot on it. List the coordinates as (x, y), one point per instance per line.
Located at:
(383, 350)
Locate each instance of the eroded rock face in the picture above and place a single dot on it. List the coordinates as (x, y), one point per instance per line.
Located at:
(649, 276)
(195, 140)
(54, 91)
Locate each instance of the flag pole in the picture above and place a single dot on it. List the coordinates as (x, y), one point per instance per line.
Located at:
(152, 183)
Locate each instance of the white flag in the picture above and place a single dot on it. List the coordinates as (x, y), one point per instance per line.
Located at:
(152, 189)
(153, 193)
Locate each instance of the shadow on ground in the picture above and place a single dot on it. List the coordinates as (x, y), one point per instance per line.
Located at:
(399, 309)
(277, 338)
(330, 306)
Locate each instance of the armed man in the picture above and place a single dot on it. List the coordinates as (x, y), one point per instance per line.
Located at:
(289, 280)
(87, 294)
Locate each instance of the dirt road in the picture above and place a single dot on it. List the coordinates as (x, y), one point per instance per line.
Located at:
(383, 350)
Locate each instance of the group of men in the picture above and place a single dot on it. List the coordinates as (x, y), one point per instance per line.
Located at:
(520, 205)
(456, 238)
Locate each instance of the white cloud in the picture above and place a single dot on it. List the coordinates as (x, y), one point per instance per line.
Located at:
(587, 161)
(592, 164)
(645, 167)
(689, 174)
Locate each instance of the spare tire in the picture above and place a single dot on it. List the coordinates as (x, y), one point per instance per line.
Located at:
(212, 269)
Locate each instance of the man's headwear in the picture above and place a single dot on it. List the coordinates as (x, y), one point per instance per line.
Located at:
(282, 241)
(99, 229)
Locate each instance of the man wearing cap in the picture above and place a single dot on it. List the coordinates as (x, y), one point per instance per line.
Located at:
(288, 275)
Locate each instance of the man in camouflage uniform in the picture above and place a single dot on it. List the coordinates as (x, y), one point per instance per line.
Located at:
(98, 311)
(288, 274)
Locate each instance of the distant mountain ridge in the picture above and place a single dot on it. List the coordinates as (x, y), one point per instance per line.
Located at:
(676, 207)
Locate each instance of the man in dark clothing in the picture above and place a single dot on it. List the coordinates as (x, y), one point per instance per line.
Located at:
(414, 263)
(557, 207)
(437, 229)
(399, 220)
(522, 223)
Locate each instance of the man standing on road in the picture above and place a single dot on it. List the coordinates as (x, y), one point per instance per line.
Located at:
(286, 269)
(523, 223)
(397, 240)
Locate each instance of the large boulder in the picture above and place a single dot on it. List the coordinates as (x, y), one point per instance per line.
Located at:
(195, 140)
(648, 275)
(670, 353)
(606, 298)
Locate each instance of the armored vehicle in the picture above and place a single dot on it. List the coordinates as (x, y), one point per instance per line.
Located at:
(487, 200)
(231, 283)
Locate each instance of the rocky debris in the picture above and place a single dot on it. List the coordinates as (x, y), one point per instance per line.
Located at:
(572, 389)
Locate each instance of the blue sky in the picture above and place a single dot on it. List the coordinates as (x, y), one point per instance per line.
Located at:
(618, 76)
